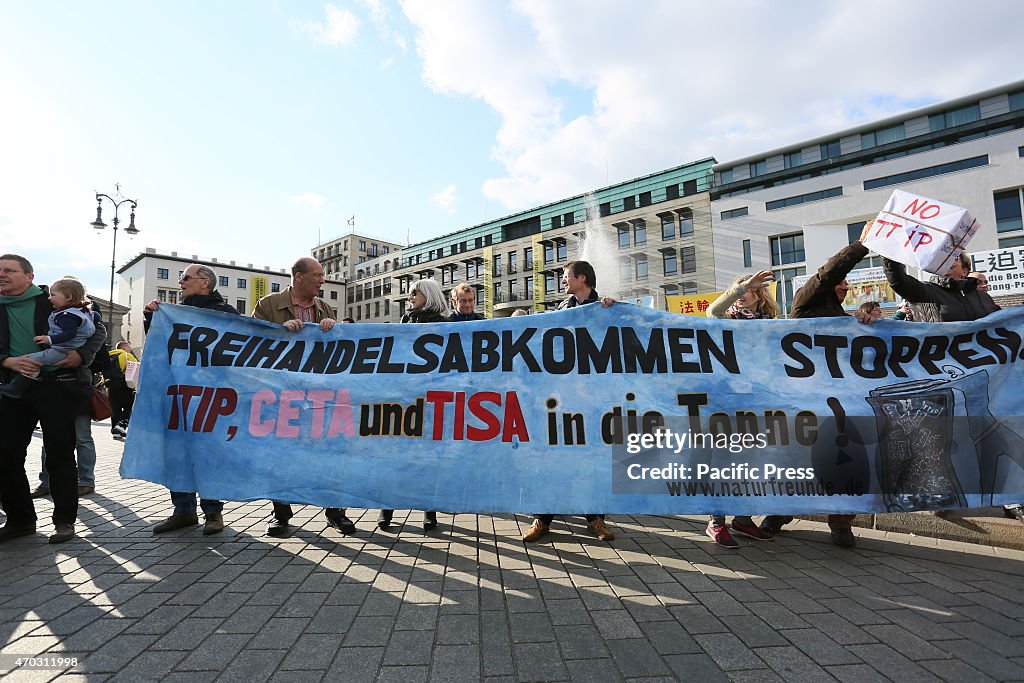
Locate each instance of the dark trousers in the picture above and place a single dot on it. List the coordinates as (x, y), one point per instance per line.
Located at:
(547, 518)
(121, 401)
(54, 404)
(283, 511)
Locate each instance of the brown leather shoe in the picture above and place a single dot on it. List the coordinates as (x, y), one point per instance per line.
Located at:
(601, 530)
(536, 532)
(41, 491)
(176, 522)
(214, 524)
(62, 533)
(86, 490)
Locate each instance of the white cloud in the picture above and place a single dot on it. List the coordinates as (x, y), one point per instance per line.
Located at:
(310, 199)
(381, 18)
(445, 199)
(339, 28)
(666, 82)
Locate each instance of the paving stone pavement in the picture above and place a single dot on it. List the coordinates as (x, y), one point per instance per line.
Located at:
(471, 602)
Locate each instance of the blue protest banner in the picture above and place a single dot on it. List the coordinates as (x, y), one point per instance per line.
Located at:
(624, 409)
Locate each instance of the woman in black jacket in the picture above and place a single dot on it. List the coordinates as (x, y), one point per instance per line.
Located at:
(427, 304)
(954, 298)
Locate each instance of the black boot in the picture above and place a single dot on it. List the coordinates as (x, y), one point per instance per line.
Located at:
(429, 520)
(384, 519)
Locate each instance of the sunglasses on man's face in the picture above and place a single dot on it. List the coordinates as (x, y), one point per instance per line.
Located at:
(186, 278)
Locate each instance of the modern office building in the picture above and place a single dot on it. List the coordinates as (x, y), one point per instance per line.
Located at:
(790, 209)
(151, 275)
(693, 228)
(650, 236)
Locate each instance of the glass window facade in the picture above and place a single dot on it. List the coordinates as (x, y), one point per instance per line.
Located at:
(639, 233)
(734, 213)
(685, 222)
(668, 227)
(1008, 211)
(669, 262)
(788, 249)
(804, 198)
(957, 117)
(689, 259)
(951, 167)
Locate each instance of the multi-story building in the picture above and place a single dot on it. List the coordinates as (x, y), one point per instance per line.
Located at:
(151, 275)
(646, 236)
(790, 209)
(368, 296)
(343, 257)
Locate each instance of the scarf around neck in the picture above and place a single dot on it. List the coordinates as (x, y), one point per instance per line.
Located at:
(21, 314)
(738, 312)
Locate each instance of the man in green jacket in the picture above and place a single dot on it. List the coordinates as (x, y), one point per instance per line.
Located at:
(58, 396)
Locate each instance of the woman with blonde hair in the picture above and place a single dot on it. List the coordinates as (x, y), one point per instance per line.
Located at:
(748, 299)
(427, 304)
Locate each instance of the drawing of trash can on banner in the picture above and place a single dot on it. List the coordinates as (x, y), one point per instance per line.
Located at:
(939, 446)
(921, 232)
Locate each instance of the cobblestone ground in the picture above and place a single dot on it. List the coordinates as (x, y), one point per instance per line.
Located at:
(470, 601)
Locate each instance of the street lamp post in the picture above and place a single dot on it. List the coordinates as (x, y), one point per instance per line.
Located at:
(131, 230)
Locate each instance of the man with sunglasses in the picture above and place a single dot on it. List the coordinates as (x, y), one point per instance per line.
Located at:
(198, 285)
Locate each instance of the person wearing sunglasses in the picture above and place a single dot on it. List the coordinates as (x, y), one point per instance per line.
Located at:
(198, 288)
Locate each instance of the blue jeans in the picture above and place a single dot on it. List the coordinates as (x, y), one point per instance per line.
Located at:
(185, 504)
(85, 449)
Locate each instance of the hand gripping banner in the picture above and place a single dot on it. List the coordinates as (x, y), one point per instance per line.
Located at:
(617, 410)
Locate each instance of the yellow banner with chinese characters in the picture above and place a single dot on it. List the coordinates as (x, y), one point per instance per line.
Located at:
(691, 304)
(698, 304)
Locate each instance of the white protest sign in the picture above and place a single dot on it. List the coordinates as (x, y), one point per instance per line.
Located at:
(921, 232)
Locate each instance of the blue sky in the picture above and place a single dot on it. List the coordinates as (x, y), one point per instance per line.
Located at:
(247, 129)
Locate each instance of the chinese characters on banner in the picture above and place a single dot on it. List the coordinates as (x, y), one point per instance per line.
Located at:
(691, 304)
(698, 304)
(1004, 268)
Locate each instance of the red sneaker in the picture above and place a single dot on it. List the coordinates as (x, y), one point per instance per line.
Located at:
(751, 531)
(720, 534)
